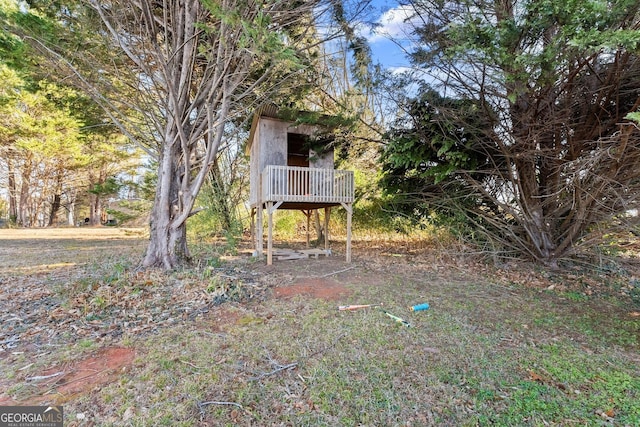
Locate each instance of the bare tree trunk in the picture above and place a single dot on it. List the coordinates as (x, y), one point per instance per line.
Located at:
(55, 207)
(95, 209)
(55, 204)
(71, 209)
(24, 218)
(13, 205)
(168, 238)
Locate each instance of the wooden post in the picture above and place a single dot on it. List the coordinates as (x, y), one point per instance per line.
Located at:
(259, 236)
(308, 215)
(252, 227)
(348, 207)
(259, 231)
(270, 233)
(327, 212)
(349, 213)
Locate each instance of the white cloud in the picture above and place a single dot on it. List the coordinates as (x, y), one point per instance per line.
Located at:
(400, 70)
(393, 24)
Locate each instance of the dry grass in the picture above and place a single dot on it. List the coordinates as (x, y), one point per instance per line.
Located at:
(38, 250)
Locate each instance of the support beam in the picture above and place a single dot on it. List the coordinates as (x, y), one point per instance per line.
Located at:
(252, 227)
(307, 213)
(275, 207)
(270, 211)
(327, 213)
(349, 208)
(259, 236)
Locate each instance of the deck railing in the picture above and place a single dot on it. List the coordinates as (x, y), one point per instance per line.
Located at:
(310, 185)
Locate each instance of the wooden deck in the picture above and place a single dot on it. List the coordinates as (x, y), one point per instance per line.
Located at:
(305, 189)
(296, 187)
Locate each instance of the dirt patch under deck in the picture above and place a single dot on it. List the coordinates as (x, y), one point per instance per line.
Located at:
(322, 288)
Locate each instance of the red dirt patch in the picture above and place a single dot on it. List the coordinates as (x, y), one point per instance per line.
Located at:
(221, 318)
(327, 289)
(61, 383)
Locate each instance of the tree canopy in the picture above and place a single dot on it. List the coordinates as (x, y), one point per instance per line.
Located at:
(557, 161)
(48, 129)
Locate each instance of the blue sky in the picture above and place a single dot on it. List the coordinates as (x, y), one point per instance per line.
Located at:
(390, 19)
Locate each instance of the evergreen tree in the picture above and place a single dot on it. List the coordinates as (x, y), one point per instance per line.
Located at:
(553, 81)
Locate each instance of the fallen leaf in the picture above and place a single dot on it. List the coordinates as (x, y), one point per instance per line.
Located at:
(535, 377)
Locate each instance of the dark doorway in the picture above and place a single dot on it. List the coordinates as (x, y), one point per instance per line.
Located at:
(298, 155)
(297, 150)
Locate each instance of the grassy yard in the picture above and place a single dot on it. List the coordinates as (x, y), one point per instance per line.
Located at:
(234, 342)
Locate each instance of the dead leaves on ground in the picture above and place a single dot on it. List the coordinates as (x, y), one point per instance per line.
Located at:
(547, 380)
(38, 314)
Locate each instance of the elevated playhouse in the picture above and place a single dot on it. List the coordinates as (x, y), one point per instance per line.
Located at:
(292, 167)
